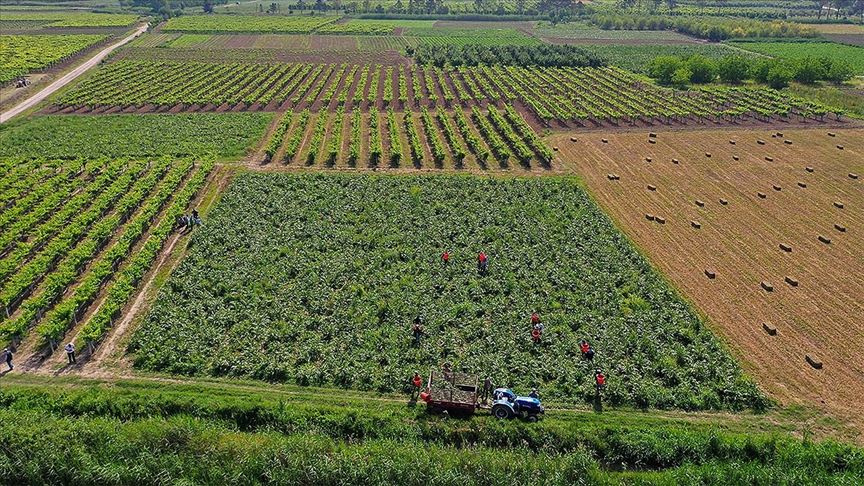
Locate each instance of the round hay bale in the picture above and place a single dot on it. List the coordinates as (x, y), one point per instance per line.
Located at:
(574, 139)
(555, 148)
(734, 157)
(652, 187)
(787, 142)
(839, 227)
(832, 134)
(785, 247)
(840, 147)
(732, 142)
(724, 201)
(791, 281)
(708, 154)
(700, 203)
(769, 159)
(652, 135)
(675, 161)
(696, 224)
(651, 140)
(649, 216)
(604, 140)
(838, 204)
(769, 328)
(648, 159)
(611, 177)
(710, 273)
(853, 175)
(660, 220)
(767, 286)
(802, 185)
(761, 195)
(825, 239)
(776, 187)
(808, 169)
(760, 142)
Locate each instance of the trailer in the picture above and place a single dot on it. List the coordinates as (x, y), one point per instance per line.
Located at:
(452, 392)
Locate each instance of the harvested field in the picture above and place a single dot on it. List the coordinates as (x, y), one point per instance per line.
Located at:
(779, 241)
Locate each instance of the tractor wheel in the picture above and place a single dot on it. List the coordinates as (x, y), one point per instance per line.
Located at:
(502, 412)
(532, 418)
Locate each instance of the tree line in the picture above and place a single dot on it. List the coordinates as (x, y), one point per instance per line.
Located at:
(539, 55)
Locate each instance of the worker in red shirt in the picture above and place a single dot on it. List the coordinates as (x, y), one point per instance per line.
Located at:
(535, 318)
(482, 263)
(587, 350)
(445, 257)
(599, 380)
(417, 381)
(535, 335)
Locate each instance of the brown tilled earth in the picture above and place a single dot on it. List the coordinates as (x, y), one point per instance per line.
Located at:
(816, 301)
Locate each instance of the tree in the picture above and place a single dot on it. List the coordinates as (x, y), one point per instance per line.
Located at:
(808, 70)
(208, 7)
(733, 69)
(779, 75)
(702, 69)
(320, 5)
(839, 71)
(662, 68)
(682, 76)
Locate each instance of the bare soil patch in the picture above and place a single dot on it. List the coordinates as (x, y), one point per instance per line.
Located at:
(815, 302)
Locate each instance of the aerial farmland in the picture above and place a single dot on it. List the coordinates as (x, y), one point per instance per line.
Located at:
(446, 242)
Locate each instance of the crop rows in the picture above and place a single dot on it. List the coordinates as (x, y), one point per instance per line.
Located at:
(79, 230)
(26, 53)
(241, 23)
(70, 19)
(320, 288)
(581, 96)
(433, 138)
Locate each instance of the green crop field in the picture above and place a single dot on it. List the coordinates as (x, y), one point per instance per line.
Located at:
(216, 242)
(218, 135)
(292, 299)
(798, 50)
(21, 54)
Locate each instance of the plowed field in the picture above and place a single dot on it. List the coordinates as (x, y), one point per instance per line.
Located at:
(785, 191)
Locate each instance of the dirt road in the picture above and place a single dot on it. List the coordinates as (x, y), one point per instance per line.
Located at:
(68, 77)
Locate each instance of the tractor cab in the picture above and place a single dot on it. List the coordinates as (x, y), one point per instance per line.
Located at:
(507, 405)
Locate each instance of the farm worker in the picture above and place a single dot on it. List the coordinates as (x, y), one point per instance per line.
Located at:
(445, 257)
(417, 330)
(447, 369)
(599, 380)
(534, 394)
(535, 335)
(535, 319)
(418, 383)
(195, 218)
(584, 347)
(487, 388)
(482, 262)
(8, 353)
(70, 352)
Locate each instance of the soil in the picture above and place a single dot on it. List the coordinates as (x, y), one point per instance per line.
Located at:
(820, 316)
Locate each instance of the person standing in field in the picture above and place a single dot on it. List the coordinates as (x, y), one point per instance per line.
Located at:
(7, 353)
(482, 263)
(487, 389)
(417, 330)
(445, 257)
(417, 383)
(70, 352)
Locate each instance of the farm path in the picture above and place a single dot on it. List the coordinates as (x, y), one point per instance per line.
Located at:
(69, 77)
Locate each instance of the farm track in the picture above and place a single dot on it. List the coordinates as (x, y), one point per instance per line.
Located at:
(740, 242)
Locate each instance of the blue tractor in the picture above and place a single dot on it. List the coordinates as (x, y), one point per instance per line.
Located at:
(507, 405)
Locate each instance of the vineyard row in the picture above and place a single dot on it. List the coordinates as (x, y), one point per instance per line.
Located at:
(439, 138)
(584, 96)
(79, 235)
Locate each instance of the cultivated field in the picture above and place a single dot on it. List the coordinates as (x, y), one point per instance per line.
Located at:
(316, 279)
(770, 241)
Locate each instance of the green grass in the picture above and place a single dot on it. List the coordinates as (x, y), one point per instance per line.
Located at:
(797, 50)
(320, 277)
(78, 431)
(224, 136)
(848, 99)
